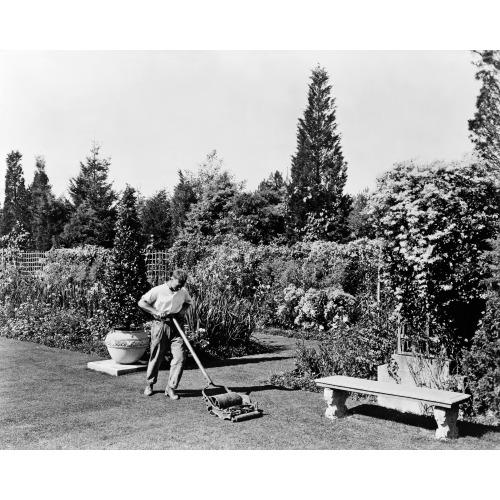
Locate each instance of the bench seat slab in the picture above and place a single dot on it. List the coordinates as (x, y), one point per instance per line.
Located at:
(445, 403)
(434, 397)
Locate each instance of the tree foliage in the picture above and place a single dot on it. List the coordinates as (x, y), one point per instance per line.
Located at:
(47, 216)
(317, 206)
(214, 189)
(481, 363)
(155, 214)
(126, 279)
(436, 220)
(208, 216)
(184, 196)
(16, 202)
(485, 126)
(360, 225)
(259, 216)
(94, 215)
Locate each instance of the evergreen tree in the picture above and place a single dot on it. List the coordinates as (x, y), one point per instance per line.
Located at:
(207, 217)
(94, 215)
(184, 196)
(209, 170)
(360, 225)
(156, 220)
(16, 203)
(317, 206)
(61, 214)
(126, 278)
(485, 126)
(274, 182)
(41, 208)
(257, 217)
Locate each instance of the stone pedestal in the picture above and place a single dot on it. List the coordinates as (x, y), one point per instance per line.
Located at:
(446, 419)
(336, 403)
(112, 368)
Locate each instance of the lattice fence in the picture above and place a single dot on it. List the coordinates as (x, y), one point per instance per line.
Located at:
(156, 264)
(29, 262)
(157, 267)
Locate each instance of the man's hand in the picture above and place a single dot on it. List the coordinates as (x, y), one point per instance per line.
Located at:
(157, 315)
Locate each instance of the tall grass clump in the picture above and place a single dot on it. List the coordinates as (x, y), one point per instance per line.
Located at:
(220, 323)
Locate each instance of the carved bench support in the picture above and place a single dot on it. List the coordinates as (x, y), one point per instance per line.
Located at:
(336, 403)
(446, 419)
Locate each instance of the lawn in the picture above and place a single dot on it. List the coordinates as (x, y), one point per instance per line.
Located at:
(49, 400)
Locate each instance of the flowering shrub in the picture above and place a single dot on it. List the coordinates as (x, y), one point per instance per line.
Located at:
(338, 308)
(287, 310)
(62, 328)
(311, 309)
(315, 309)
(352, 350)
(276, 277)
(61, 306)
(73, 278)
(237, 286)
(436, 220)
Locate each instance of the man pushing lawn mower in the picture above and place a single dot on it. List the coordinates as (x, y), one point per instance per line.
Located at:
(165, 303)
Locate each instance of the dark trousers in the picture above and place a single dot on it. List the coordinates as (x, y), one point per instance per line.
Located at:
(164, 335)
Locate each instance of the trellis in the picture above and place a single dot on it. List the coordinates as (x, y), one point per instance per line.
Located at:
(157, 267)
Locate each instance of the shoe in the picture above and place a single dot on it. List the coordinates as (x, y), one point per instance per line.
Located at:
(169, 392)
(148, 391)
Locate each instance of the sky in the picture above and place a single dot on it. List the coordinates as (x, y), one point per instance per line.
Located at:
(154, 112)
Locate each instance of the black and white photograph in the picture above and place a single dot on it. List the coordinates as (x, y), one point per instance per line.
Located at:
(215, 248)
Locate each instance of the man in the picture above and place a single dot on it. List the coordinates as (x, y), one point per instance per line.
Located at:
(164, 302)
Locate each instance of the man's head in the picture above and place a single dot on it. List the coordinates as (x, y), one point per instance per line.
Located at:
(178, 279)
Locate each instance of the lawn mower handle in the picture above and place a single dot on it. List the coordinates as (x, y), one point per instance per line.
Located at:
(191, 350)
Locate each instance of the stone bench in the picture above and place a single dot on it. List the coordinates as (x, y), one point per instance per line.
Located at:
(445, 403)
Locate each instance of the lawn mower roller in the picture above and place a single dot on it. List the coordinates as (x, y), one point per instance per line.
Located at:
(227, 405)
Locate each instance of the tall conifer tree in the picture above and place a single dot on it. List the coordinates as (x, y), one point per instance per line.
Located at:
(93, 198)
(16, 203)
(485, 126)
(126, 277)
(317, 207)
(41, 208)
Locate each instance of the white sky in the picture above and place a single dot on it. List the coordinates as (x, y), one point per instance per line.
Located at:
(155, 112)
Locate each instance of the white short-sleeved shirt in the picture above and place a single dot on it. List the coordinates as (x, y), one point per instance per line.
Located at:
(164, 300)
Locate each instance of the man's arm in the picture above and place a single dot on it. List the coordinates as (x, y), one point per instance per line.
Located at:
(146, 306)
(184, 308)
(187, 302)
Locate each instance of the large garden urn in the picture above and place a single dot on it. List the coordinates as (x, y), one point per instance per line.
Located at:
(126, 346)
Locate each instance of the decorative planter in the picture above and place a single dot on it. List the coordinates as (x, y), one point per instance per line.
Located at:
(126, 346)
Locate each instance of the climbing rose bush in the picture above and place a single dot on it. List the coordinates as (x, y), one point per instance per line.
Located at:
(436, 219)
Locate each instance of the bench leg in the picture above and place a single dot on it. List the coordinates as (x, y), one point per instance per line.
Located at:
(446, 419)
(336, 403)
